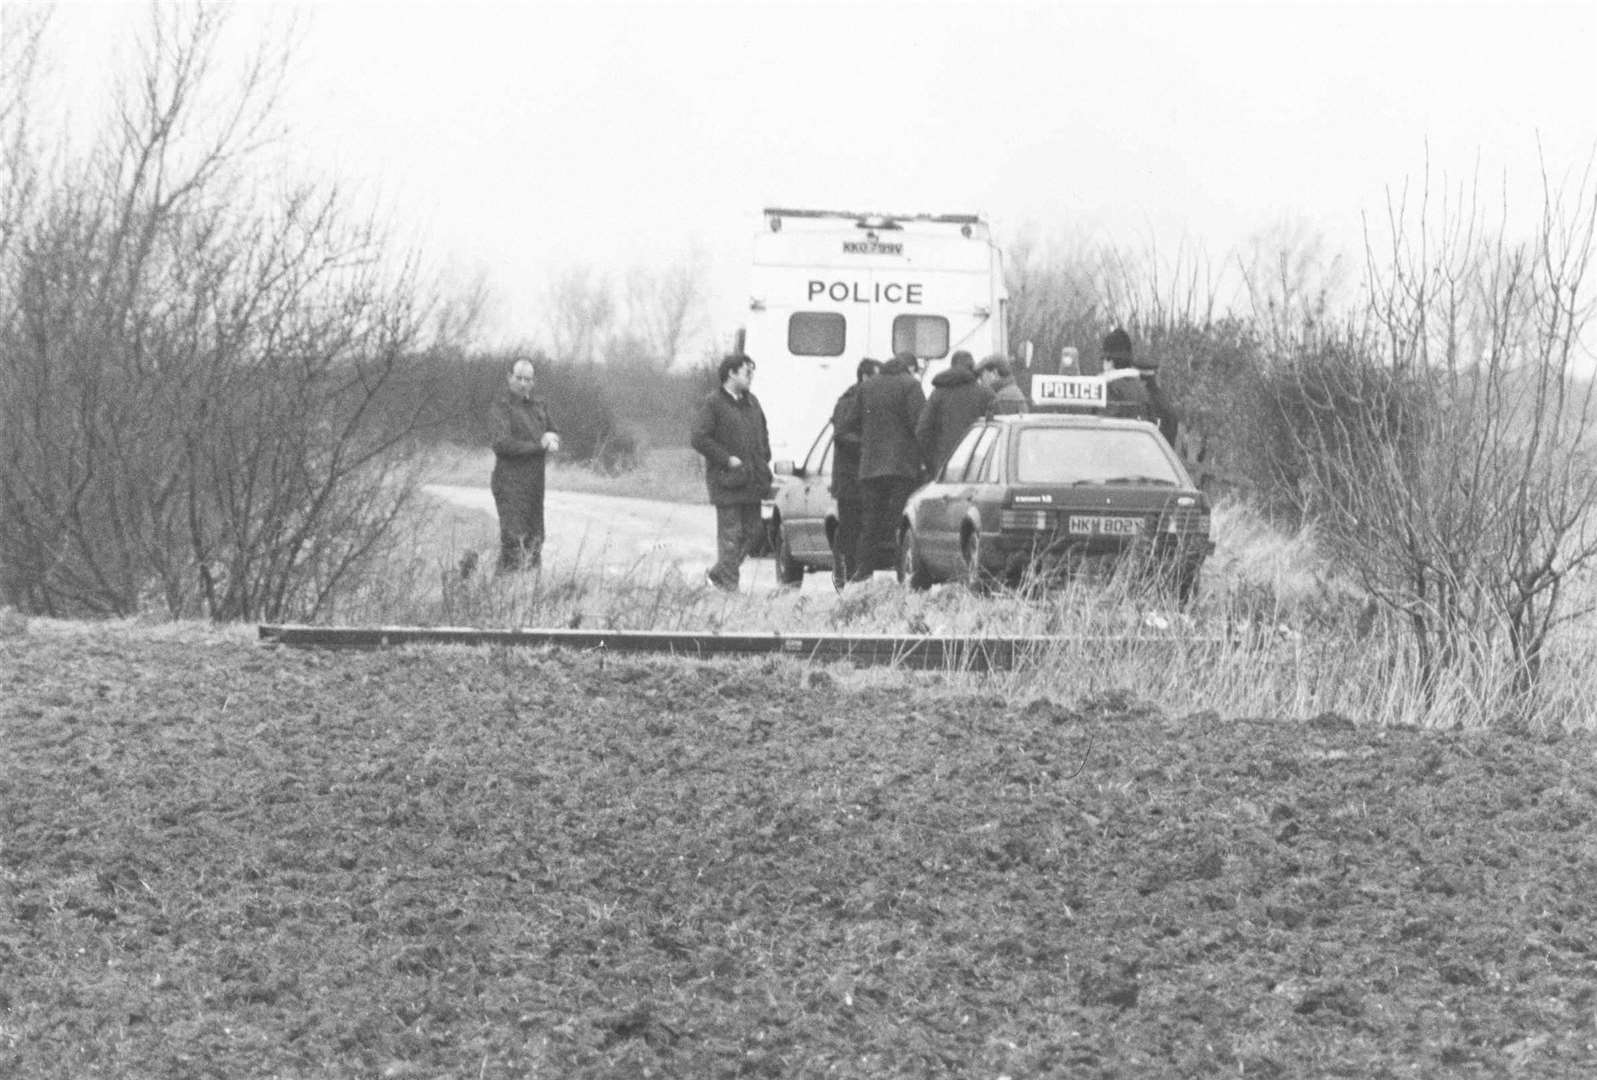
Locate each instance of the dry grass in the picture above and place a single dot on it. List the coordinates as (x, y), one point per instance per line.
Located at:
(1273, 633)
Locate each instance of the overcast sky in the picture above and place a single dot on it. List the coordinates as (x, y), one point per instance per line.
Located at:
(509, 139)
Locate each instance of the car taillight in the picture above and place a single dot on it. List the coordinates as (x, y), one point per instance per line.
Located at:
(1024, 520)
(1187, 521)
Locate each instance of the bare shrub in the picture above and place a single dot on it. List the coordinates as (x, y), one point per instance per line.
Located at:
(1447, 453)
(1295, 284)
(1055, 298)
(193, 367)
(579, 309)
(1215, 373)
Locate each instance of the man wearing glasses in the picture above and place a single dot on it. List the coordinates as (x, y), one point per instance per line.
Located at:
(731, 434)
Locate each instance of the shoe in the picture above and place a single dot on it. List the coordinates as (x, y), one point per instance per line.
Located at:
(709, 580)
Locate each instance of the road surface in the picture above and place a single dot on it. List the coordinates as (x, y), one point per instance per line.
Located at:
(632, 536)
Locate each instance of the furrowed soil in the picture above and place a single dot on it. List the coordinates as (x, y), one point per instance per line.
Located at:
(223, 860)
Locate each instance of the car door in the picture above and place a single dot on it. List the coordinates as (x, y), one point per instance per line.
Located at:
(984, 484)
(943, 506)
(806, 529)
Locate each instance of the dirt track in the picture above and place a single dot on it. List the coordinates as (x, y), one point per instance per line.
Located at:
(223, 860)
(622, 533)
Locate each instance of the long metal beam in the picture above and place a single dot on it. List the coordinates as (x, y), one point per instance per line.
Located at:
(926, 653)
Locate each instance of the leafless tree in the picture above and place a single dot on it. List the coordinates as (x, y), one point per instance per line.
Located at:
(1150, 289)
(21, 34)
(1054, 295)
(193, 407)
(1450, 447)
(579, 308)
(665, 308)
(1293, 281)
(458, 316)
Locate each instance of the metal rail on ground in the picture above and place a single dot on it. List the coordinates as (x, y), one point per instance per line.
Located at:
(922, 652)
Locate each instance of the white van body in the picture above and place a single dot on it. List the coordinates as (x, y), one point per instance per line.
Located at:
(829, 288)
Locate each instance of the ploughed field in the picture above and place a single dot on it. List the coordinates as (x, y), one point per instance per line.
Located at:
(217, 859)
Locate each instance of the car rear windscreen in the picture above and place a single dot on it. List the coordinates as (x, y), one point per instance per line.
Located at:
(1065, 455)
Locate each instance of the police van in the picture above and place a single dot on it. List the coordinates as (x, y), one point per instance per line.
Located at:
(829, 288)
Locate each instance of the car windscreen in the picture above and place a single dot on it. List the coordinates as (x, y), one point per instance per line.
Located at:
(1070, 455)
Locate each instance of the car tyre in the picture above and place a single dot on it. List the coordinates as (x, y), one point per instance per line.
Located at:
(977, 579)
(765, 540)
(839, 565)
(789, 571)
(911, 571)
(1187, 586)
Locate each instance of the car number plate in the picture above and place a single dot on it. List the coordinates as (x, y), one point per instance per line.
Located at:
(1105, 526)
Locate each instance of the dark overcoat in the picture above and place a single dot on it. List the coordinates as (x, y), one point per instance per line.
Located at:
(958, 400)
(890, 404)
(516, 426)
(728, 427)
(847, 425)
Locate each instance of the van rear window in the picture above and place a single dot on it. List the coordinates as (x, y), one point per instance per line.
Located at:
(816, 333)
(925, 336)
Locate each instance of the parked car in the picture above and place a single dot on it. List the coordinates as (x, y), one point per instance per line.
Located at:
(1044, 495)
(803, 521)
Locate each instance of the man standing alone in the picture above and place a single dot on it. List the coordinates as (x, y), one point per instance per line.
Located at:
(523, 437)
(847, 427)
(890, 459)
(730, 433)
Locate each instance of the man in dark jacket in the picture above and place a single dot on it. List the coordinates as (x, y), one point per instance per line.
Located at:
(957, 400)
(890, 459)
(847, 426)
(1134, 389)
(730, 432)
(523, 437)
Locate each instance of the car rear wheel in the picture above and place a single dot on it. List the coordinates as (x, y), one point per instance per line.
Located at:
(1187, 586)
(765, 541)
(977, 579)
(789, 571)
(839, 564)
(910, 570)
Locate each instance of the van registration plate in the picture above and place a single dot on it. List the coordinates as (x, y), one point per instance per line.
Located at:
(1105, 526)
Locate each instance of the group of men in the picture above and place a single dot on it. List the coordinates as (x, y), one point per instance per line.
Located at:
(889, 437)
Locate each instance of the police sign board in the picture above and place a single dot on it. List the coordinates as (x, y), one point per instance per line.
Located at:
(1085, 391)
